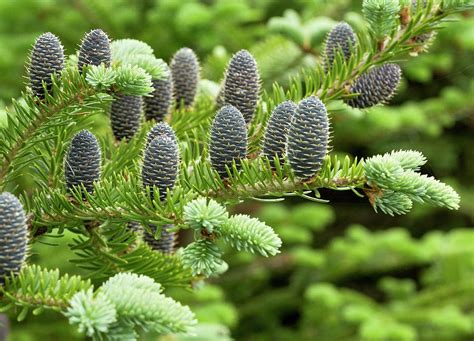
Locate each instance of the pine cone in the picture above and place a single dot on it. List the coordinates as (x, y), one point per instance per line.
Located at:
(157, 106)
(161, 164)
(242, 84)
(375, 86)
(228, 140)
(47, 58)
(341, 37)
(95, 49)
(185, 76)
(308, 138)
(277, 131)
(167, 242)
(125, 115)
(159, 129)
(83, 160)
(13, 235)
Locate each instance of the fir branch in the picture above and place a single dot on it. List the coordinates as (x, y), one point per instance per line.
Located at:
(39, 288)
(30, 120)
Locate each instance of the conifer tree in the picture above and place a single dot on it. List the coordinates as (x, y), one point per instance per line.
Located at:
(185, 173)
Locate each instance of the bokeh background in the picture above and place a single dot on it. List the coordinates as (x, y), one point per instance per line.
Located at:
(345, 272)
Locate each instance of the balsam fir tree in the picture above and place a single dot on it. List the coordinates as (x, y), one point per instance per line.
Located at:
(184, 175)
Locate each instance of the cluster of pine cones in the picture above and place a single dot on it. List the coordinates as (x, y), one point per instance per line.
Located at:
(298, 132)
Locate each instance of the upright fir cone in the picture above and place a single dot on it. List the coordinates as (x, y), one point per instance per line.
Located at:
(167, 242)
(185, 71)
(308, 138)
(242, 84)
(159, 129)
(228, 140)
(158, 106)
(47, 58)
(83, 161)
(277, 131)
(125, 115)
(161, 164)
(13, 235)
(375, 86)
(160, 169)
(342, 38)
(95, 49)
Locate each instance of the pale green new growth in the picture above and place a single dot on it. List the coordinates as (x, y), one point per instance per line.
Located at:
(92, 313)
(203, 257)
(203, 214)
(409, 159)
(394, 174)
(393, 203)
(125, 302)
(382, 16)
(137, 53)
(139, 300)
(250, 234)
(100, 76)
(133, 80)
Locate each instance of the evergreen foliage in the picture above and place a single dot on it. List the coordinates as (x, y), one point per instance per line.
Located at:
(184, 173)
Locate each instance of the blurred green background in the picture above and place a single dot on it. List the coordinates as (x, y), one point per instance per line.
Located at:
(345, 272)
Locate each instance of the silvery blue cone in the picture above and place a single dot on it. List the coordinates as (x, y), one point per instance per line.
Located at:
(276, 132)
(161, 165)
(82, 164)
(13, 235)
(378, 85)
(185, 71)
(47, 59)
(125, 116)
(158, 105)
(228, 140)
(308, 138)
(94, 50)
(340, 38)
(242, 84)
